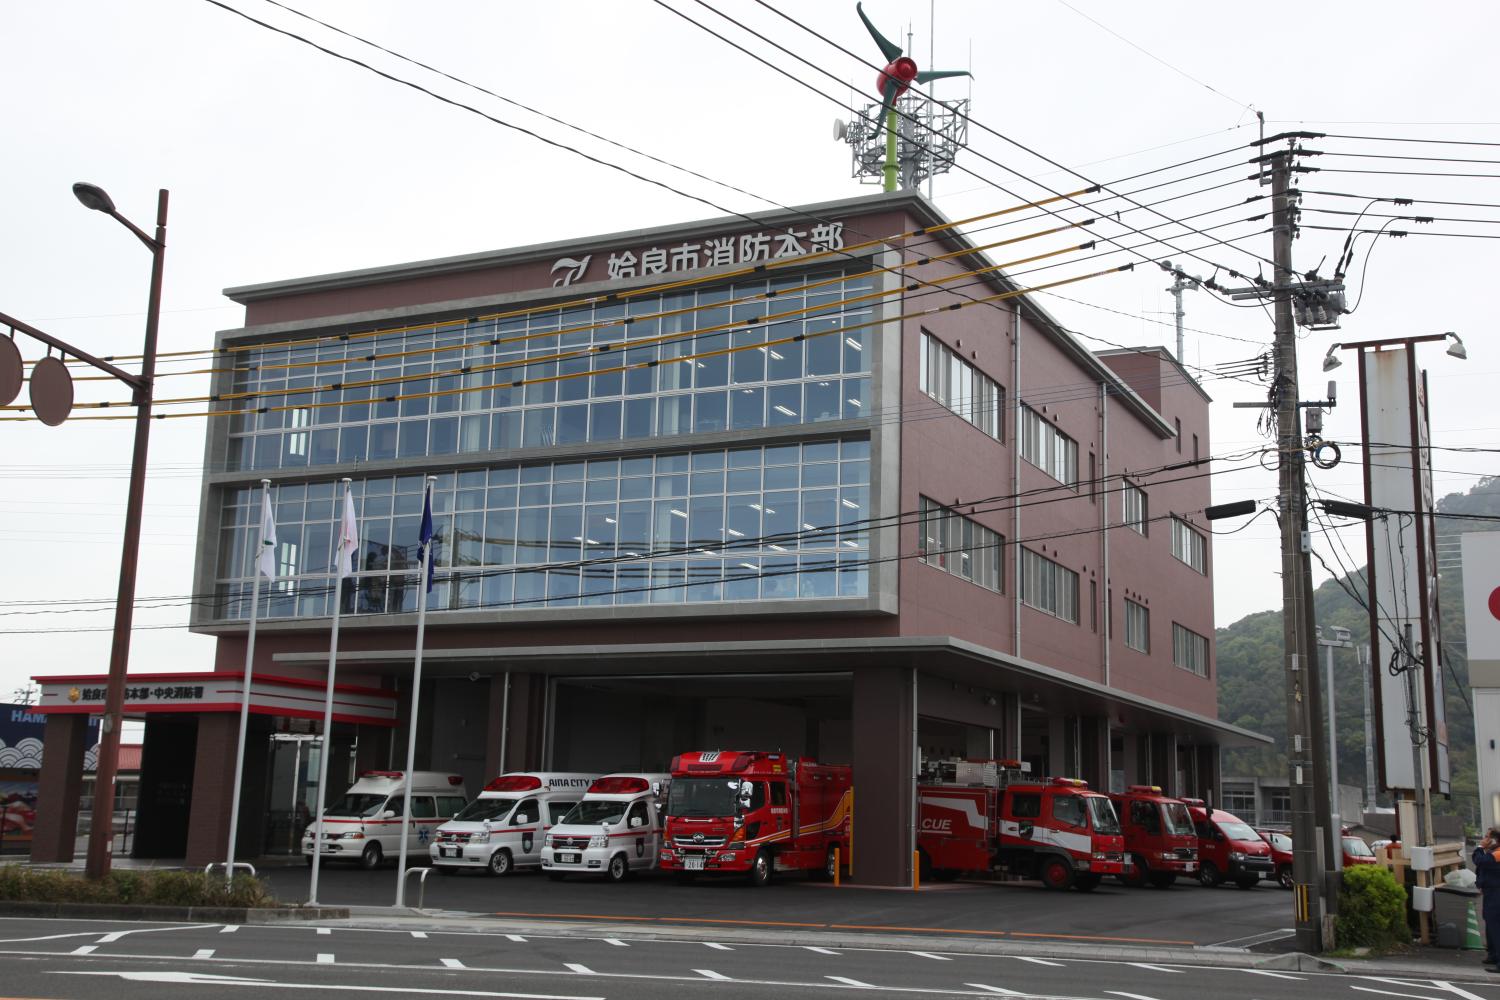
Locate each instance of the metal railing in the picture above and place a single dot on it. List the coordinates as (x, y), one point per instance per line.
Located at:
(421, 874)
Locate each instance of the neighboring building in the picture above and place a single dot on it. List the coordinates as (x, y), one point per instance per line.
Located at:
(21, 746)
(1268, 801)
(838, 520)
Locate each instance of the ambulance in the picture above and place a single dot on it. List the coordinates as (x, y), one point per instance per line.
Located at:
(505, 827)
(614, 830)
(365, 824)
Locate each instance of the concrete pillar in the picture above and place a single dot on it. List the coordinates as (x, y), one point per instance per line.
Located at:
(1057, 741)
(1008, 740)
(213, 782)
(1093, 741)
(884, 744)
(516, 720)
(1131, 762)
(1210, 781)
(1162, 765)
(59, 787)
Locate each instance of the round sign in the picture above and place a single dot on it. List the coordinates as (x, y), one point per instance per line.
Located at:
(1495, 603)
(51, 391)
(10, 371)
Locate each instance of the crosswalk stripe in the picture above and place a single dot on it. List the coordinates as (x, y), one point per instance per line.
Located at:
(850, 982)
(996, 989)
(452, 963)
(710, 974)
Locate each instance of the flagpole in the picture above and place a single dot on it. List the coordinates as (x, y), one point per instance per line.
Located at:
(239, 755)
(327, 750)
(423, 586)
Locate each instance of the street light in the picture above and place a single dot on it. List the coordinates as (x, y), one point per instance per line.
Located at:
(102, 833)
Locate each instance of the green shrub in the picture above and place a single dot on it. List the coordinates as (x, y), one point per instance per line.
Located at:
(150, 888)
(1372, 910)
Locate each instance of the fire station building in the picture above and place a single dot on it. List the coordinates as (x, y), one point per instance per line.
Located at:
(807, 484)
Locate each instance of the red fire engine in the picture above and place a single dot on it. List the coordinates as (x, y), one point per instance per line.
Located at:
(755, 813)
(1159, 836)
(982, 816)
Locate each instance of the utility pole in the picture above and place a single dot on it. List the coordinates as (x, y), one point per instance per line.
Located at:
(1302, 707)
(1369, 686)
(1180, 283)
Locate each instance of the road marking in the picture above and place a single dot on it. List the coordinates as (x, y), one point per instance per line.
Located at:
(851, 982)
(1445, 985)
(1037, 961)
(112, 937)
(1129, 996)
(1255, 939)
(711, 974)
(229, 928)
(1390, 993)
(204, 953)
(616, 942)
(325, 958)
(582, 970)
(516, 938)
(452, 963)
(203, 979)
(419, 935)
(84, 949)
(1154, 968)
(716, 946)
(325, 930)
(928, 954)
(820, 951)
(996, 989)
(1273, 975)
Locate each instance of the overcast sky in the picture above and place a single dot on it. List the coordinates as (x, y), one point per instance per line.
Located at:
(283, 161)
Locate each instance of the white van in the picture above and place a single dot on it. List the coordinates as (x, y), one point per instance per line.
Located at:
(614, 830)
(365, 825)
(503, 829)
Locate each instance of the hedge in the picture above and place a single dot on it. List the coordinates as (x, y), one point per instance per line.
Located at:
(1372, 910)
(19, 883)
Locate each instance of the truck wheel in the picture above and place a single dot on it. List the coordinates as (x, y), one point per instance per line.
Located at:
(760, 869)
(1208, 875)
(500, 862)
(1138, 873)
(371, 857)
(1056, 873)
(829, 869)
(1163, 880)
(1284, 876)
(1247, 881)
(619, 868)
(1087, 883)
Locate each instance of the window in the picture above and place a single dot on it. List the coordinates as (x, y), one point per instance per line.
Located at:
(422, 807)
(778, 793)
(1240, 801)
(961, 387)
(1136, 509)
(1189, 650)
(1048, 448)
(1049, 587)
(637, 818)
(1094, 605)
(1137, 626)
(1069, 809)
(965, 548)
(1195, 448)
(1177, 423)
(1146, 815)
(557, 810)
(1026, 806)
(1189, 546)
(450, 805)
(526, 812)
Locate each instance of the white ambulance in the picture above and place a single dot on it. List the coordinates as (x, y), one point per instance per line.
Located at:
(614, 830)
(503, 829)
(365, 824)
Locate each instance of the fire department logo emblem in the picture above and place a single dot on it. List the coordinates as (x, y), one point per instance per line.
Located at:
(640, 847)
(526, 839)
(697, 838)
(74, 694)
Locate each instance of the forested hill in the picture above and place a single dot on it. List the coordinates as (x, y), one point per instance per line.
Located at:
(1252, 692)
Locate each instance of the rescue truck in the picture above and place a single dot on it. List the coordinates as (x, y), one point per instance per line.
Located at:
(1228, 848)
(615, 829)
(753, 813)
(505, 827)
(993, 816)
(1159, 836)
(364, 825)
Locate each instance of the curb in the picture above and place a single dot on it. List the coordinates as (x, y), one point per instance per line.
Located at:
(194, 914)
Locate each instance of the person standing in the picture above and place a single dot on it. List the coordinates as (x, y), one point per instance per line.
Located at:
(1487, 869)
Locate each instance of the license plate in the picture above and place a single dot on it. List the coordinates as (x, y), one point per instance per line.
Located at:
(693, 864)
(447, 852)
(569, 859)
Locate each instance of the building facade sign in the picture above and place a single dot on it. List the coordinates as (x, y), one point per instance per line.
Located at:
(288, 697)
(716, 251)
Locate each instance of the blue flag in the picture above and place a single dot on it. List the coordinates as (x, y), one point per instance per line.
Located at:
(424, 537)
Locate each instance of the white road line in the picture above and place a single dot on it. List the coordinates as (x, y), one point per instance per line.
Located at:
(1445, 985)
(325, 958)
(452, 963)
(928, 954)
(419, 935)
(996, 989)
(325, 930)
(113, 936)
(203, 979)
(1129, 996)
(616, 942)
(84, 949)
(582, 970)
(1273, 975)
(229, 928)
(1391, 993)
(1036, 961)
(516, 938)
(711, 974)
(850, 982)
(820, 951)
(716, 946)
(204, 953)
(1154, 968)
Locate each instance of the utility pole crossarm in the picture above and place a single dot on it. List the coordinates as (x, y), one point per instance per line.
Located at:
(134, 381)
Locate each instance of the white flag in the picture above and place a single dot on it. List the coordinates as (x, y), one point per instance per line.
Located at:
(265, 559)
(348, 545)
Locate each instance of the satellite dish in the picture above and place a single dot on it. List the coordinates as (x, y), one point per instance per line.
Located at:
(840, 129)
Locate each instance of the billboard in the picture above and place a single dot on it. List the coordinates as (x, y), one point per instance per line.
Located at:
(1402, 566)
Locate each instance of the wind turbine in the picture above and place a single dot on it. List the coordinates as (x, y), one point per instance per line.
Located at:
(899, 74)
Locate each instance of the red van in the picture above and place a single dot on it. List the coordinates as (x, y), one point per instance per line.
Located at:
(1281, 855)
(1227, 848)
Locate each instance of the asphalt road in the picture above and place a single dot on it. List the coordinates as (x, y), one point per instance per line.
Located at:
(116, 961)
(1186, 914)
